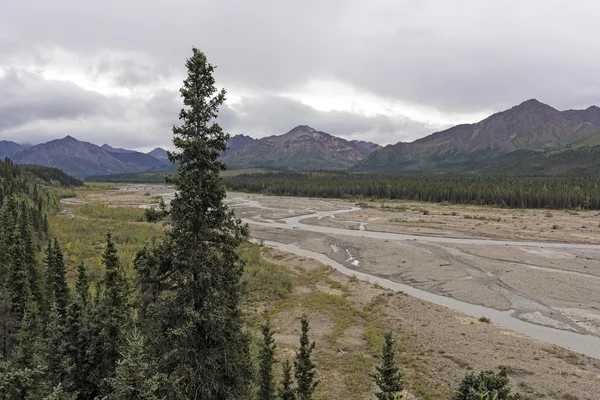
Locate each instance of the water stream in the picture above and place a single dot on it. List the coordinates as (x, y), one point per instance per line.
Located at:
(585, 344)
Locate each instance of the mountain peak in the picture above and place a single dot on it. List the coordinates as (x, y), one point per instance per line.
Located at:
(303, 128)
(70, 138)
(533, 104)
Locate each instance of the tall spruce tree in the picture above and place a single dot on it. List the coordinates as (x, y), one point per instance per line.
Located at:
(287, 392)
(58, 362)
(78, 338)
(110, 319)
(388, 377)
(18, 277)
(198, 310)
(29, 255)
(58, 280)
(29, 352)
(266, 390)
(304, 368)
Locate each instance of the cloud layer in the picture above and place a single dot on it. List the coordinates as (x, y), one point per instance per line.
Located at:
(109, 71)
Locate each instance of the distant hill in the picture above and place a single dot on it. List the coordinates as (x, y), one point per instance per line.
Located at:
(530, 126)
(301, 148)
(8, 148)
(160, 154)
(82, 159)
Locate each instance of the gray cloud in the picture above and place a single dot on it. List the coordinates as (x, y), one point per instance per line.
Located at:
(465, 56)
(28, 97)
(273, 115)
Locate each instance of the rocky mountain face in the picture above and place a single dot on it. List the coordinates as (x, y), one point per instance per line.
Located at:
(237, 142)
(531, 125)
(83, 159)
(8, 148)
(301, 148)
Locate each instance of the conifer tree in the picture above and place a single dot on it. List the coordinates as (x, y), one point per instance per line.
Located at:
(198, 310)
(9, 324)
(29, 256)
(304, 368)
(388, 377)
(18, 279)
(82, 287)
(136, 378)
(29, 352)
(287, 392)
(78, 339)
(57, 359)
(111, 317)
(58, 280)
(266, 389)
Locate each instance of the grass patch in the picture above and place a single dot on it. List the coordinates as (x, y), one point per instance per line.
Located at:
(484, 319)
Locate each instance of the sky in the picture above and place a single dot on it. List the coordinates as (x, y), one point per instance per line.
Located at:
(382, 70)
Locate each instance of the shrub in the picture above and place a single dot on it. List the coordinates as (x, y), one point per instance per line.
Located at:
(486, 385)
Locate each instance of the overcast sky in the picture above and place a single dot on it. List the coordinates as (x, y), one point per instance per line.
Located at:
(385, 71)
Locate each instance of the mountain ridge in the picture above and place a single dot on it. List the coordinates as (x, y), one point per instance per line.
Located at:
(82, 159)
(531, 125)
(302, 147)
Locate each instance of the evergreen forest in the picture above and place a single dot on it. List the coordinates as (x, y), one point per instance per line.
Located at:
(503, 191)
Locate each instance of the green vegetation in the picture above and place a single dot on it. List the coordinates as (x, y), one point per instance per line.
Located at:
(388, 377)
(486, 385)
(515, 192)
(266, 389)
(160, 177)
(304, 368)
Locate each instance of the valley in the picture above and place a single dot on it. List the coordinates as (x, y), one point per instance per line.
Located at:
(548, 282)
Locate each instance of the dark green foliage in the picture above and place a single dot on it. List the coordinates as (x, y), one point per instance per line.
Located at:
(388, 377)
(49, 176)
(32, 333)
(18, 277)
(56, 278)
(82, 287)
(29, 352)
(304, 368)
(156, 215)
(287, 392)
(78, 338)
(9, 325)
(133, 177)
(266, 389)
(58, 362)
(504, 191)
(136, 378)
(194, 305)
(20, 383)
(486, 385)
(110, 318)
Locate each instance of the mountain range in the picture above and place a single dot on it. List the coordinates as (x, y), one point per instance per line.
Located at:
(531, 138)
(530, 130)
(301, 148)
